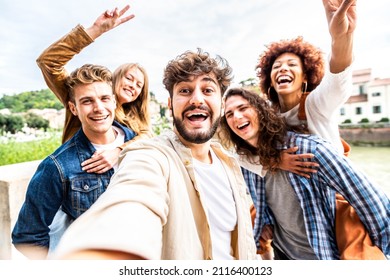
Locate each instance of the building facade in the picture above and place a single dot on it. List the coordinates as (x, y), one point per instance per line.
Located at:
(370, 99)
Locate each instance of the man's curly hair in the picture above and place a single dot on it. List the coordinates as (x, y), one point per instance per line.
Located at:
(272, 131)
(190, 64)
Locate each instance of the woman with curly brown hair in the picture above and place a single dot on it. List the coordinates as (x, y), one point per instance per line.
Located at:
(298, 213)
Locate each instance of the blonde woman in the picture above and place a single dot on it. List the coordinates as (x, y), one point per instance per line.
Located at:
(130, 85)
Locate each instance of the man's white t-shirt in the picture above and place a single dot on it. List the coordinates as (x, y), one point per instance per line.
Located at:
(119, 140)
(217, 195)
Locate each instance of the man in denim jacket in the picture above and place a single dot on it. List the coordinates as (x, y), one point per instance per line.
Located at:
(60, 187)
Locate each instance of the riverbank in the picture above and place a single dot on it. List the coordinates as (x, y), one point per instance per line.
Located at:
(374, 162)
(367, 136)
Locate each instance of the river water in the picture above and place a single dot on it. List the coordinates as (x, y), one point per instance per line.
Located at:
(375, 163)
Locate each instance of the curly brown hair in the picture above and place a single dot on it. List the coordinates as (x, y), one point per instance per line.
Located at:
(190, 64)
(311, 57)
(272, 131)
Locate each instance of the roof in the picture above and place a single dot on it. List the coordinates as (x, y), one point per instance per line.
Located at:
(361, 76)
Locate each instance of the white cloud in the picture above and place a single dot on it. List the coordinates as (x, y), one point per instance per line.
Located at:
(162, 29)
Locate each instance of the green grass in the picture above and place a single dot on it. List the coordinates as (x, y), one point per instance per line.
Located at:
(16, 152)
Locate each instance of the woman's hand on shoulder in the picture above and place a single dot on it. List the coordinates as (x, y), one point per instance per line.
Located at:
(101, 161)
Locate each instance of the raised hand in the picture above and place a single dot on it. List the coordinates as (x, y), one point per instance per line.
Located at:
(341, 16)
(108, 20)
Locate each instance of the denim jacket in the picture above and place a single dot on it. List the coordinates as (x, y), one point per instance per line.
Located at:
(60, 182)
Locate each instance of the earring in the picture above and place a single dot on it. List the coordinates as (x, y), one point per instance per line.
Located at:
(304, 87)
(269, 91)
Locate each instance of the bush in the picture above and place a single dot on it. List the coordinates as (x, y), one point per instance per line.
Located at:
(37, 122)
(384, 120)
(16, 152)
(161, 124)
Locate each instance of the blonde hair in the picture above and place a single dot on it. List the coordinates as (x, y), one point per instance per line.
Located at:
(87, 74)
(134, 115)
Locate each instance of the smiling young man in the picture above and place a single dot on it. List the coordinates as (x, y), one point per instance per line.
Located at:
(180, 195)
(60, 190)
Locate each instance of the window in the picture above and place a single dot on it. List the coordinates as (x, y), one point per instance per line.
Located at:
(376, 94)
(342, 111)
(358, 110)
(376, 109)
(361, 89)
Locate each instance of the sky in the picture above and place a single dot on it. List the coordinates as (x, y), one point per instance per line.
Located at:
(238, 30)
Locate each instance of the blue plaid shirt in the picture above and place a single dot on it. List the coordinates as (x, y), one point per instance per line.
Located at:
(317, 197)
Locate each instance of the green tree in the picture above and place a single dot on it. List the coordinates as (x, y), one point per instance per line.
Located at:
(152, 95)
(22, 102)
(163, 111)
(35, 121)
(3, 123)
(251, 82)
(161, 124)
(12, 103)
(14, 123)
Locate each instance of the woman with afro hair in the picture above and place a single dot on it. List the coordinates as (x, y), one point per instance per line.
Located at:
(291, 69)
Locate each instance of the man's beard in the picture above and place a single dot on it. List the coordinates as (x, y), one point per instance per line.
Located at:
(195, 137)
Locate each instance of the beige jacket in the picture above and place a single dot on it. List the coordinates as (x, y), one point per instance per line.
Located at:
(152, 207)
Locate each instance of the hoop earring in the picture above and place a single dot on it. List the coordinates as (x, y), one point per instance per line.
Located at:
(269, 92)
(304, 87)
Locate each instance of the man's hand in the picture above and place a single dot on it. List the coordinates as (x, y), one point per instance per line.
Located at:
(298, 163)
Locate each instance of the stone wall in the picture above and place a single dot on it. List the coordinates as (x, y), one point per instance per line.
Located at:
(14, 179)
(367, 136)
